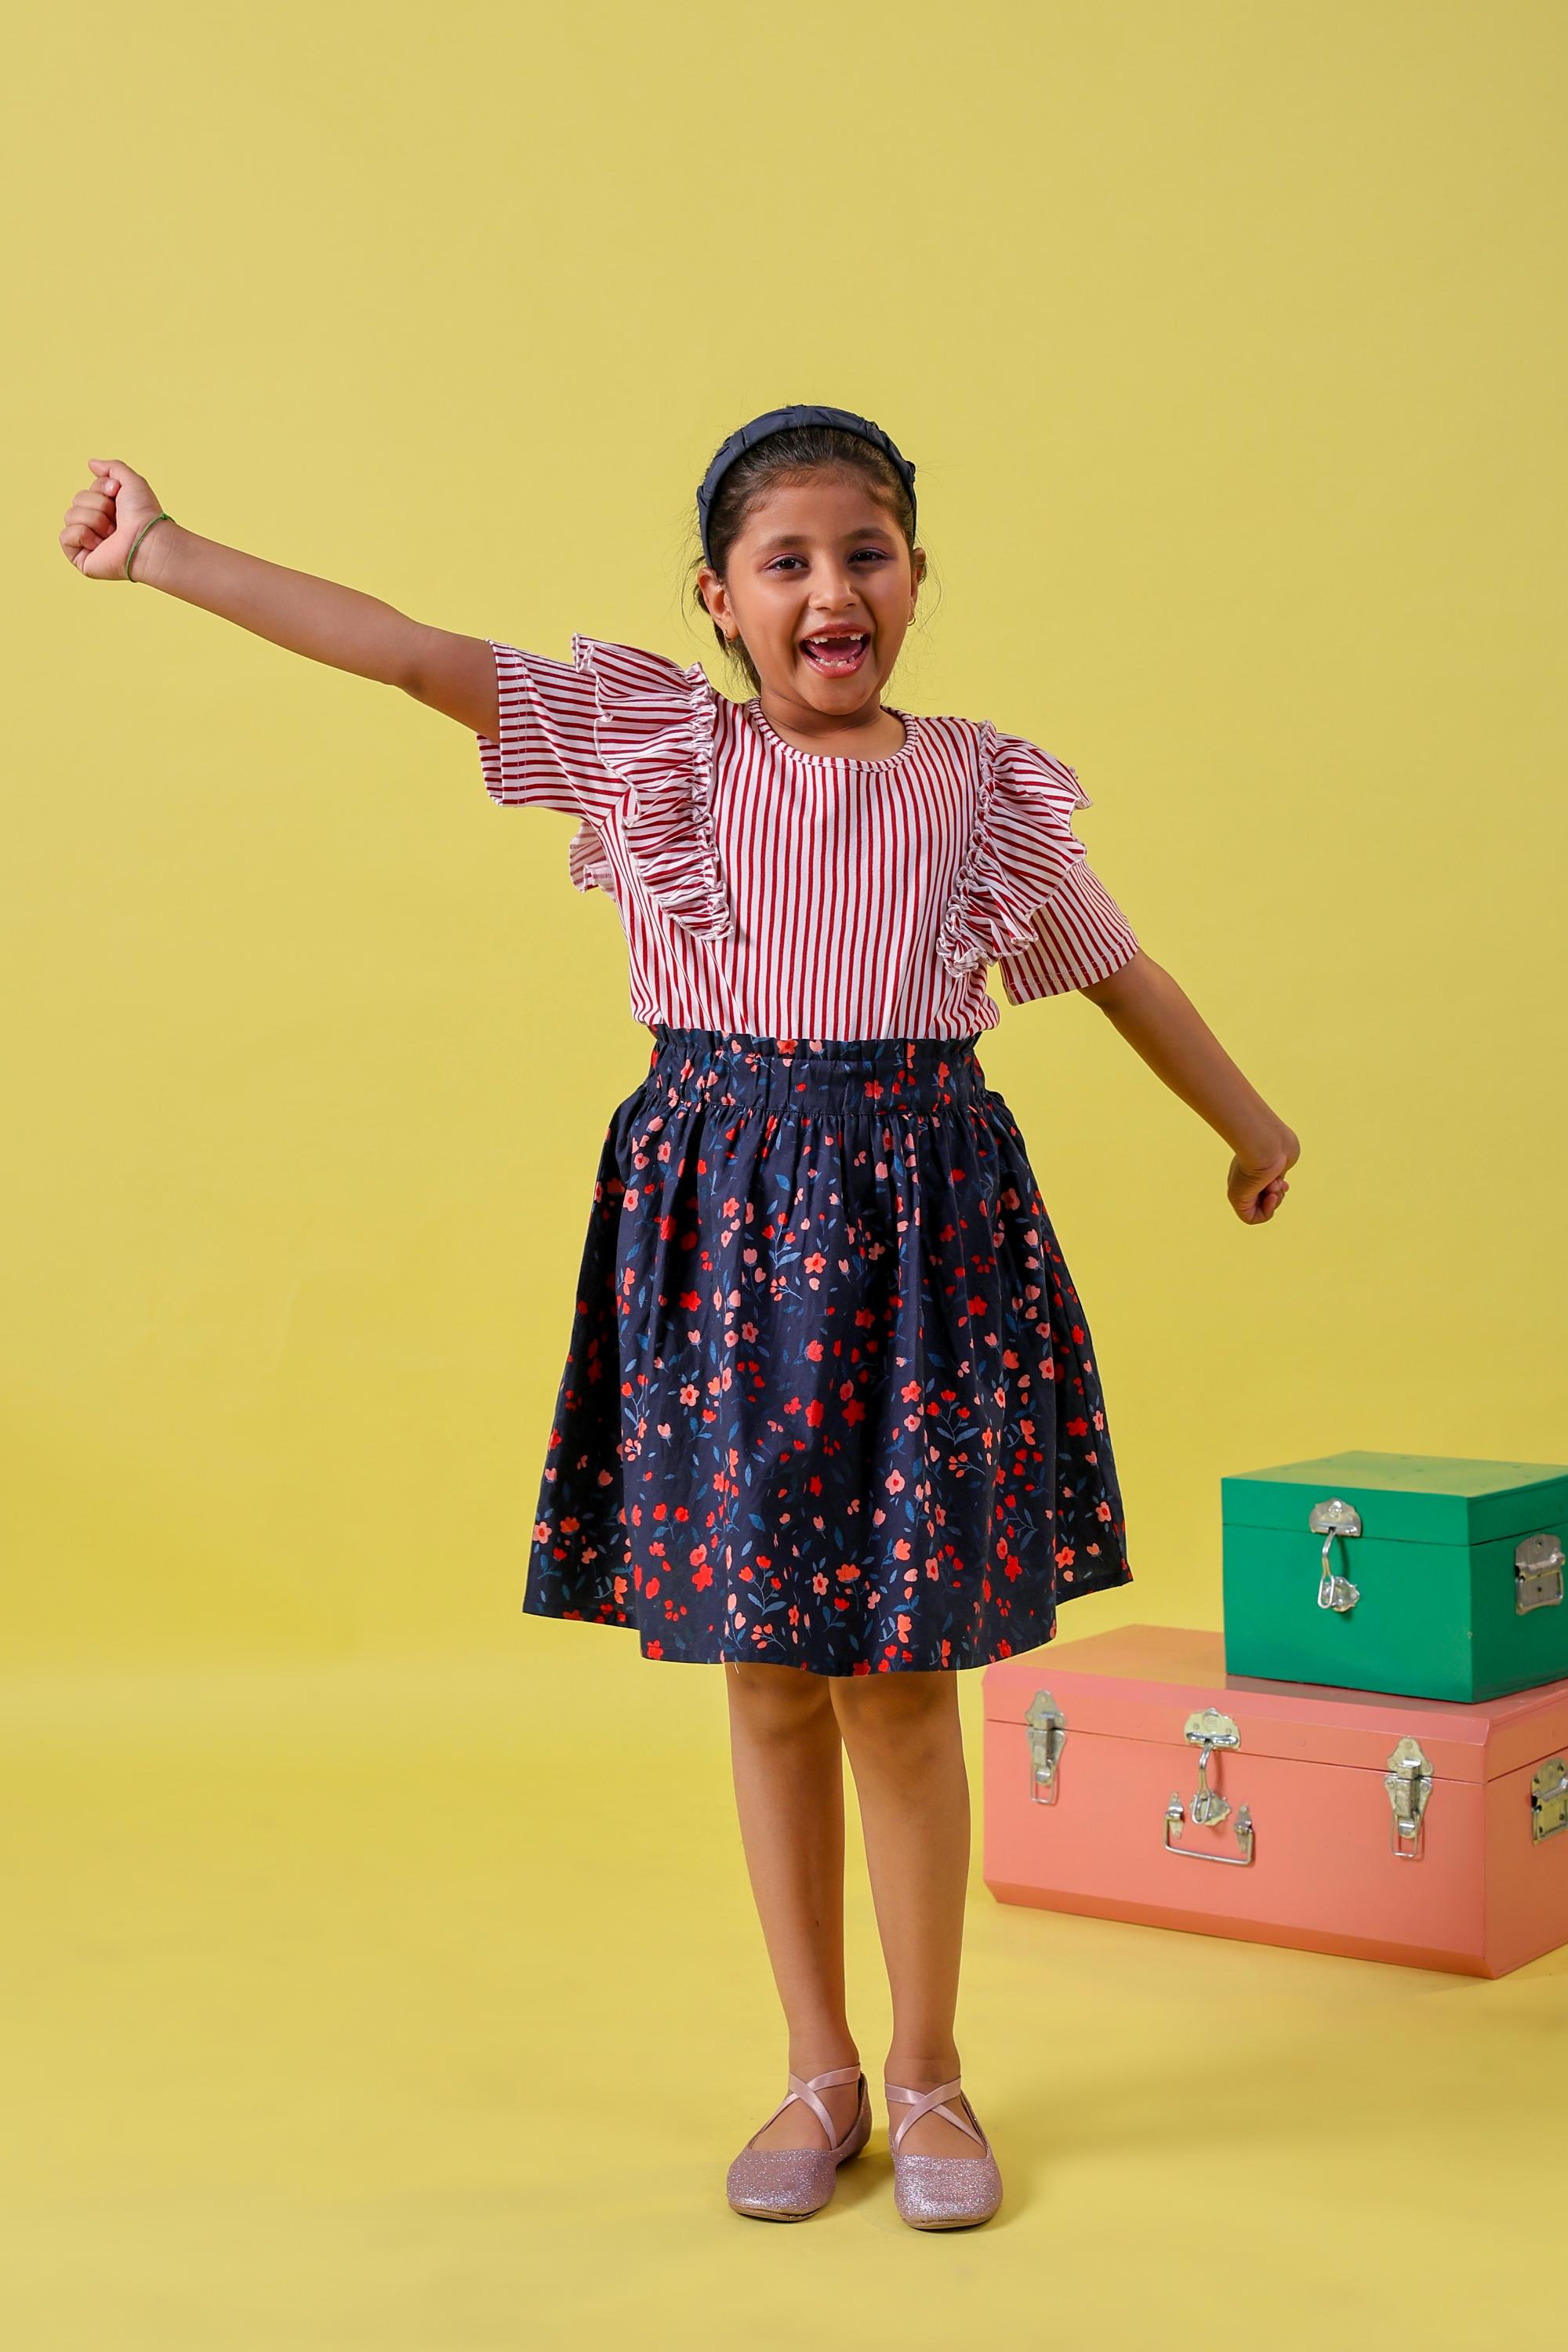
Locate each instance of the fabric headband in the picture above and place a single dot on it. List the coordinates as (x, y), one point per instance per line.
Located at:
(780, 420)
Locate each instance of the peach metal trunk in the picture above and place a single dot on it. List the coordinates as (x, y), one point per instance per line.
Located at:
(1128, 1776)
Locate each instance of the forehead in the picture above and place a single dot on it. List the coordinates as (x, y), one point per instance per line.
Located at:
(823, 506)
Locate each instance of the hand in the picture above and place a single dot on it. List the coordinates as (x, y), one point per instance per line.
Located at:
(102, 522)
(1256, 1183)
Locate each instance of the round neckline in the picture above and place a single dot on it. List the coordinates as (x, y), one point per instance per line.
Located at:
(835, 759)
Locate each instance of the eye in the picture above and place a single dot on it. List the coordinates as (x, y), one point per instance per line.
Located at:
(877, 554)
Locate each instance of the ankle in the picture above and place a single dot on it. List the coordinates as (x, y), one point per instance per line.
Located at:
(919, 2071)
(821, 2052)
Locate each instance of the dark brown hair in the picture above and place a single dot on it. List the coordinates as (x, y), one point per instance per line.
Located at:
(800, 449)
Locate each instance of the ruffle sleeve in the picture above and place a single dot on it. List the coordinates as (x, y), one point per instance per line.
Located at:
(588, 860)
(1021, 852)
(654, 731)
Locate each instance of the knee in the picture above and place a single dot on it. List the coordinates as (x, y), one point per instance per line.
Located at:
(905, 1718)
(777, 1702)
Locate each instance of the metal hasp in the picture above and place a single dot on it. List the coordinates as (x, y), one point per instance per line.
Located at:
(1047, 1730)
(1331, 1518)
(1208, 1729)
(1408, 1780)
(1549, 1799)
(1537, 1574)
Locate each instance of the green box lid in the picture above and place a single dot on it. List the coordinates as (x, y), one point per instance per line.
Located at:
(1405, 1497)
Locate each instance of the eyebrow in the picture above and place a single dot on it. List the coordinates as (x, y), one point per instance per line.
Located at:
(793, 538)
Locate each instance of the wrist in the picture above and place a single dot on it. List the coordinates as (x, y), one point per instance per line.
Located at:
(1261, 1142)
(154, 553)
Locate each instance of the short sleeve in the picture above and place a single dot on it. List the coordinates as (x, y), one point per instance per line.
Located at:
(623, 738)
(1080, 935)
(1025, 898)
(545, 755)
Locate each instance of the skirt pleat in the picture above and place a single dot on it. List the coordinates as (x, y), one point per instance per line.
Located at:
(830, 1399)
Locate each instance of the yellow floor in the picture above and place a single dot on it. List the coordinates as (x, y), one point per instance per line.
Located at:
(422, 2006)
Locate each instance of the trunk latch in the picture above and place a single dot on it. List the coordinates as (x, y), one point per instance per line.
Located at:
(1046, 1728)
(1331, 1518)
(1409, 1784)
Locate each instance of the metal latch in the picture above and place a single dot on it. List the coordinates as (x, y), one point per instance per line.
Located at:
(1409, 1784)
(1047, 1730)
(1537, 1574)
(1331, 1518)
(1549, 1799)
(1208, 1729)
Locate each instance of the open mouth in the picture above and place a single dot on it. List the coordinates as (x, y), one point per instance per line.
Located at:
(836, 652)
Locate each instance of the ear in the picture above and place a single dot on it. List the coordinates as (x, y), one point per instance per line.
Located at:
(714, 594)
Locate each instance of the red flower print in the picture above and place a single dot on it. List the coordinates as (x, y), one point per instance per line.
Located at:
(787, 1433)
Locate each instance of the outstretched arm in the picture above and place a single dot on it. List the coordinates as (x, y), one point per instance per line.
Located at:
(1163, 1025)
(308, 616)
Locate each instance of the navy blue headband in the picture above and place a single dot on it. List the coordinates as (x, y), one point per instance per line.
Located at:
(780, 420)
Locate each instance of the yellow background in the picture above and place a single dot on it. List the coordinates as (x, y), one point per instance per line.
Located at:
(1227, 344)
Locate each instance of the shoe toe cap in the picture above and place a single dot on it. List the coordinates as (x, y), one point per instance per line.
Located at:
(930, 2190)
(790, 2180)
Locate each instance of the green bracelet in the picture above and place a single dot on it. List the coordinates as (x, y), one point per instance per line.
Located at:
(141, 536)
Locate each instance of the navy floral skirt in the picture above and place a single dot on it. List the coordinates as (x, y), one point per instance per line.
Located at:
(830, 1401)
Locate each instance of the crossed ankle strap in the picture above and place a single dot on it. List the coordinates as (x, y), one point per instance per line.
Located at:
(921, 2103)
(806, 2088)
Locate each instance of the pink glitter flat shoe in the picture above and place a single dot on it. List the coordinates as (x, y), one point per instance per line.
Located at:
(787, 2184)
(942, 2192)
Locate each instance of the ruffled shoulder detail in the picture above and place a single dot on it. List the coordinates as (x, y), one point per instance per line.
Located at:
(654, 729)
(1021, 851)
(588, 860)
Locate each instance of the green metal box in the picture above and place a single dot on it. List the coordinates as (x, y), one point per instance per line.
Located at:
(1413, 1573)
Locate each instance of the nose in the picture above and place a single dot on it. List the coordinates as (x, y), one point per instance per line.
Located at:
(838, 596)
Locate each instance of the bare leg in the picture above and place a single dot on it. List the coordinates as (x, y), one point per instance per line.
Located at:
(905, 1743)
(788, 1764)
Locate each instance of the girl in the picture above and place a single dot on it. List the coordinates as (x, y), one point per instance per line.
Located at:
(830, 1414)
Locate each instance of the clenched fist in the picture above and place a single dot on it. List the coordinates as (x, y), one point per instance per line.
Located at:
(102, 522)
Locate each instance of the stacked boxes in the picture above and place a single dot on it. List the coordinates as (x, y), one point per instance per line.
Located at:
(1373, 1759)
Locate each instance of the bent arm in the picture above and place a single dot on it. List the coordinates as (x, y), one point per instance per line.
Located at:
(1160, 1021)
(325, 621)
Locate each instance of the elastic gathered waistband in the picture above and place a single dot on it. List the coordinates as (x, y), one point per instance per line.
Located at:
(822, 1074)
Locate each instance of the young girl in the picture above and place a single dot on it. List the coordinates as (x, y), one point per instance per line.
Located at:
(830, 1414)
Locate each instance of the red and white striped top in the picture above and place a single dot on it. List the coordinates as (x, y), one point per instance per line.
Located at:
(777, 893)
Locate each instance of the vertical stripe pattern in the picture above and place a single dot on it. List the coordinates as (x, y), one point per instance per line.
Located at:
(780, 893)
